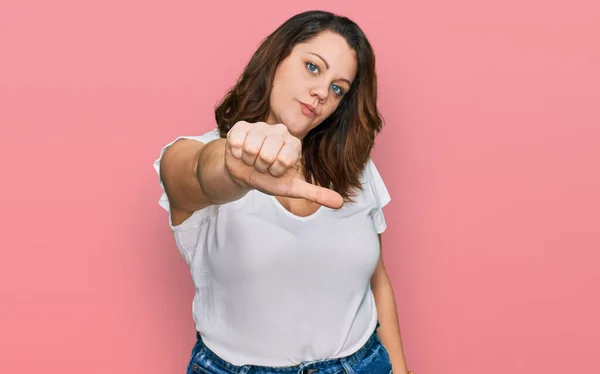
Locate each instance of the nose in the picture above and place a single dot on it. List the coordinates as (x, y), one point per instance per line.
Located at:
(320, 91)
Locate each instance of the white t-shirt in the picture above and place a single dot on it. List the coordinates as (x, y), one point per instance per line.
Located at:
(276, 289)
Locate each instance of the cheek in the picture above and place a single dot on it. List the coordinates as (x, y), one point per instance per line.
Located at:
(275, 98)
(280, 89)
(330, 108)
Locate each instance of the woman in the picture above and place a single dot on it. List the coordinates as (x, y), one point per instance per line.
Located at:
(278, 212)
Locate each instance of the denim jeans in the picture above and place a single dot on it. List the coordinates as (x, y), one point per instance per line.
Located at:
(371, 358)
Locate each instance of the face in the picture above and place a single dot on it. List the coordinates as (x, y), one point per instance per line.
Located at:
(311, 82)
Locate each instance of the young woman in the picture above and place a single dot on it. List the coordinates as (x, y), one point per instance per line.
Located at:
(278, 212)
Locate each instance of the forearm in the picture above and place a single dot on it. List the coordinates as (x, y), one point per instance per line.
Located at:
(213, 177)
(389, 331)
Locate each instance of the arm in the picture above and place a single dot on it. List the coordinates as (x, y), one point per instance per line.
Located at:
(389, 332)
(254, 156)
(195, 176)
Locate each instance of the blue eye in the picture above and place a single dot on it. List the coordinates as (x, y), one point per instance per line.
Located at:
(312, 67)
(337, 90)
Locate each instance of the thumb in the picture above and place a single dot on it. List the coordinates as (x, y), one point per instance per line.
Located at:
(317, 194)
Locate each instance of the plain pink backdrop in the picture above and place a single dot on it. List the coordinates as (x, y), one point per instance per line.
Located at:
(490, 150)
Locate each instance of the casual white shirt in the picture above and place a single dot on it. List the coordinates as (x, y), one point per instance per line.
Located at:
(276, 289)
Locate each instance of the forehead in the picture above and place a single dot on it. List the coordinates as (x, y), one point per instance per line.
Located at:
(334, 49)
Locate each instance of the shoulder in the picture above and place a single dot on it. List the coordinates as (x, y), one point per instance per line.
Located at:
(374, 185)
(163, 200)
(376, 195)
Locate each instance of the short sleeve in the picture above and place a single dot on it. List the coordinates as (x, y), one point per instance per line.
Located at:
(380, 195)
(163, 200)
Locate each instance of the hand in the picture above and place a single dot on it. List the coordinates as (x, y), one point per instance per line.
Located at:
(268, 158)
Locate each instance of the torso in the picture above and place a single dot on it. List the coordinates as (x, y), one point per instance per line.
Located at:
(282, 280)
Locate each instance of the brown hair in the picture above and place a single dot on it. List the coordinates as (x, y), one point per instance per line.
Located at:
(336, 151)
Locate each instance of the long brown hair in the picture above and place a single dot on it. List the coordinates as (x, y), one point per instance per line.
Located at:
(336, 151)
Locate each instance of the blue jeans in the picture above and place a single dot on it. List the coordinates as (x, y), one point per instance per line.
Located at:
(371, 358)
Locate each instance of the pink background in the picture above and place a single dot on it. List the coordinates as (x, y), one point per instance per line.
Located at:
(491, 152)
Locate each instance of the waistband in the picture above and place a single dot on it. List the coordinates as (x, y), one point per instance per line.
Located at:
(325, 366)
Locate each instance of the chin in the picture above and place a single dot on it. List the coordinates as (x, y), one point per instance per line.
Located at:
(300, 131)
(295, 127)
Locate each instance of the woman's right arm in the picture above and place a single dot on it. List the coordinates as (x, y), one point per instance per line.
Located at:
(254, 156)
(194, 176)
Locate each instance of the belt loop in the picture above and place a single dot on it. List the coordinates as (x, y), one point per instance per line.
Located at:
(347, 368)
(244, 369)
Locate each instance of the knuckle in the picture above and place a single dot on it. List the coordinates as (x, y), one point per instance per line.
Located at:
(261, 126)
(286, 160)
(267, 159)
(251, 150)
(276, 171)
(317, 194)
(235, 141)
(280, 128)
(294, 142)
(239, 126)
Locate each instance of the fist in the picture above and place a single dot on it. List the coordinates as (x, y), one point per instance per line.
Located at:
(266, 148)
(268, 158)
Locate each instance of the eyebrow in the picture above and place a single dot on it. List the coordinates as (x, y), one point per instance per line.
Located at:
(327, 66)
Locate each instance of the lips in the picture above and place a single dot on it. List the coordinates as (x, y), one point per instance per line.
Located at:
(308, 110)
